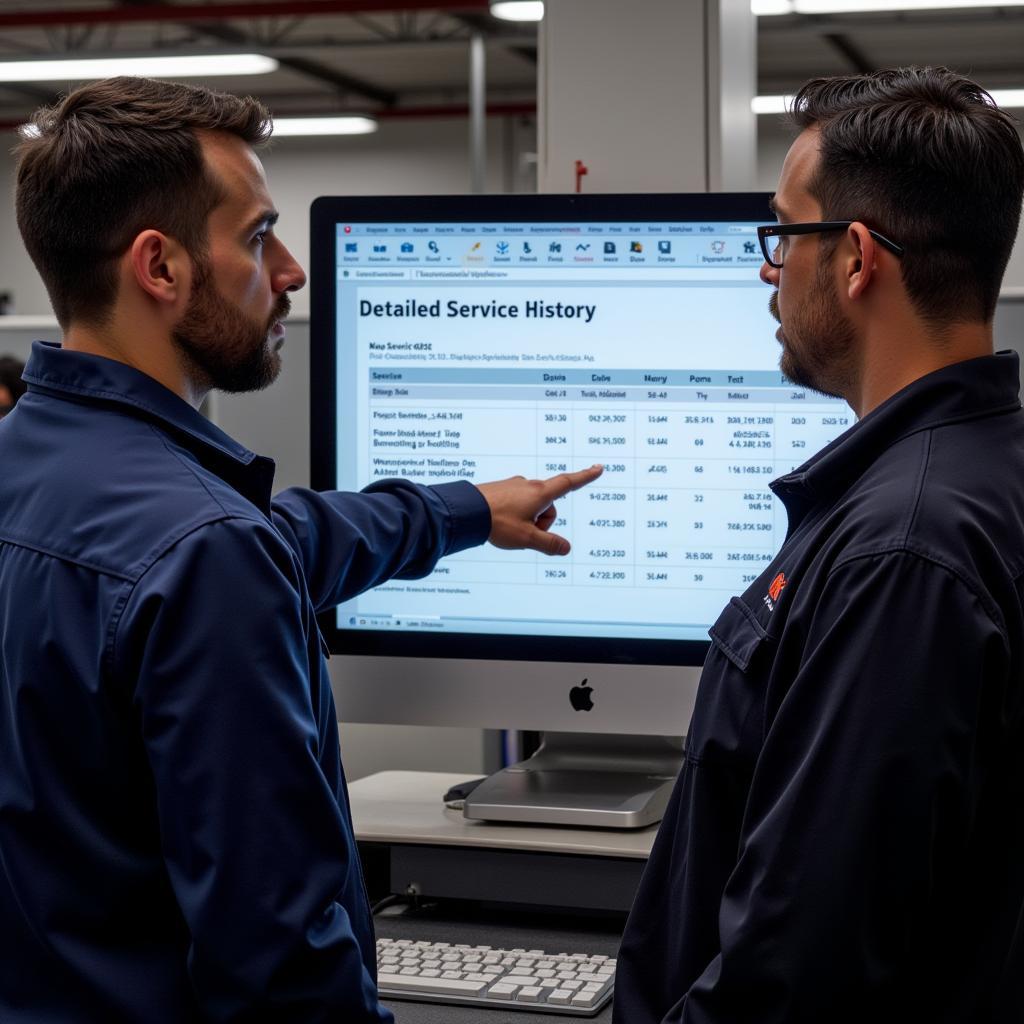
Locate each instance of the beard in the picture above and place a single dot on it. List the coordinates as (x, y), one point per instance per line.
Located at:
(222, 346)
(818, 340)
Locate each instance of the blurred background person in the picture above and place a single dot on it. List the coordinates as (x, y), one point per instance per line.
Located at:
(12, 387)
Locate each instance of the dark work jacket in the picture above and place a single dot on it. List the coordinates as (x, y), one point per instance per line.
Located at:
(175, 836)
(845, 842)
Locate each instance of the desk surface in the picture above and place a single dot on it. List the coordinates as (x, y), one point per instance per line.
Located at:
(406, 807)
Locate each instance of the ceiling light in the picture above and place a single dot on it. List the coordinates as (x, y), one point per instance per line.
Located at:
(520, 10)
(766, 8)
(781, 104)
(345, 125)
(285, 126)
(78, 70)
(1007, 97)
(770, 104)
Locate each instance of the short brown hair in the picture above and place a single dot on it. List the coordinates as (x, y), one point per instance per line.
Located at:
(112, 159)
(924, 156)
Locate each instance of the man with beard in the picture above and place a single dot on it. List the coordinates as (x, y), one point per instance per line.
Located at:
(846, 838)
(175, 837)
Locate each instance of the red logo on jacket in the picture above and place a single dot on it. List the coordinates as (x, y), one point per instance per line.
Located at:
(774, 590)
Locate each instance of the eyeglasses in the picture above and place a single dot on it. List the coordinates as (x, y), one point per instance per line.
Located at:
(775, 254)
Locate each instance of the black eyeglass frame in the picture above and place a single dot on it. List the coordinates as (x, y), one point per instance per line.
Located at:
(766, 231)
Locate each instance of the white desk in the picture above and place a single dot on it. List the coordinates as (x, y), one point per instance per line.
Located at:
(406, 807)
(412, 843)
(403, 811)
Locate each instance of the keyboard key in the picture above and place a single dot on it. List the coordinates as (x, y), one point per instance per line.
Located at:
(529, 995)
(502, 991)
(517, 981)
(560, 997)
(585, 999)
(448, 986)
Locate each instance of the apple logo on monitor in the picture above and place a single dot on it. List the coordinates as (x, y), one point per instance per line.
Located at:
(579, 697)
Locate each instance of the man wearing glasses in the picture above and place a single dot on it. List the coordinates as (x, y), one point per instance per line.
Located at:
(846, 839)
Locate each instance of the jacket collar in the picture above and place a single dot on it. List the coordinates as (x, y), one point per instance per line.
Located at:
(96, 380)
(973, 389)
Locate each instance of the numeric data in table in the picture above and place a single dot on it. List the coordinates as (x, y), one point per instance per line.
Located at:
(684, 501)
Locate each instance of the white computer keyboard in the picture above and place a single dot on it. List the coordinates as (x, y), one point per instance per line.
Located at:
(574, 984)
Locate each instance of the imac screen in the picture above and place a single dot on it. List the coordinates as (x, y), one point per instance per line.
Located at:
(477, 338)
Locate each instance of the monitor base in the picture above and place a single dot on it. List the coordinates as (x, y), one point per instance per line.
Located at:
(594, 781)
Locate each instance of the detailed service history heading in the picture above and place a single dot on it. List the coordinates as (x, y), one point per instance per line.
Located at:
(491, 310)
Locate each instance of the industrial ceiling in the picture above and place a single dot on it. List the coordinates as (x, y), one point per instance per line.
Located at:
(406, 58)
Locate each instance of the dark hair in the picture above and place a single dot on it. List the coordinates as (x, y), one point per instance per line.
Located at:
(10, 377)
(924, 156)
(112, 159)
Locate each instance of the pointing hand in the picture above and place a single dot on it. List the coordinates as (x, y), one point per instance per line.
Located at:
(522, 510)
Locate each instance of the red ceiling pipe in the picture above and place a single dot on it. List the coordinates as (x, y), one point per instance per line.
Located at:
(222, 11)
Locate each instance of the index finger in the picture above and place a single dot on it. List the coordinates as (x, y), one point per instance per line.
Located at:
(558, 486)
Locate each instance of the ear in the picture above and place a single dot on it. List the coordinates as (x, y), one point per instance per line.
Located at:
(161, 267)
(861, 250)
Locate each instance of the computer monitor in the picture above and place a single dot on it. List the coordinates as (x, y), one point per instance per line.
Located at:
(478, 337)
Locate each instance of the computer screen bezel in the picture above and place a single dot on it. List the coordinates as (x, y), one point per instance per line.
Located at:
(326, 213)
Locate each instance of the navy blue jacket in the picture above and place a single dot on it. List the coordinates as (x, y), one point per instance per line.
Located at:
(846, 839)
(175, 836)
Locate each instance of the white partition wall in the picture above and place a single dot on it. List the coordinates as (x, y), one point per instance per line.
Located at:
(652, 95)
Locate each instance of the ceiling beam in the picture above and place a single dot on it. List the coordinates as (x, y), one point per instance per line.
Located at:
(344, 83)
(338, 80)
(853, 54)
(223, 11)
(953, 18)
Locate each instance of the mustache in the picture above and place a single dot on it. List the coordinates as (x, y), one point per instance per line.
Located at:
(282, 309)
(773, 306)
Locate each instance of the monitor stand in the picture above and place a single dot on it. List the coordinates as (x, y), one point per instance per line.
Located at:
(595, 781)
